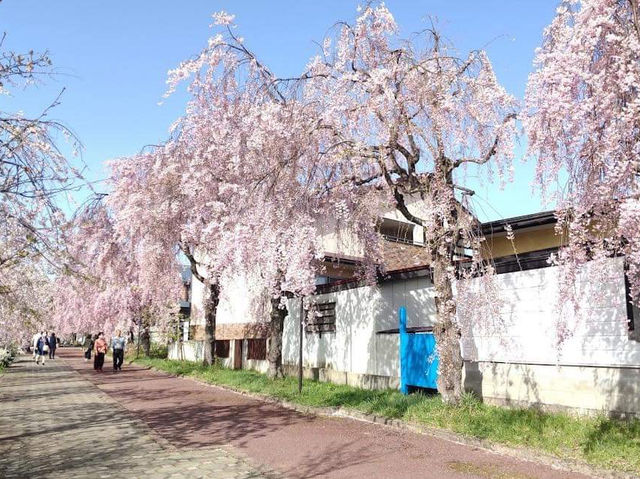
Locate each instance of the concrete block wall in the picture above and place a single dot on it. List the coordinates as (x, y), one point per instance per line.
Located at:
(514, 361)
(579, 389)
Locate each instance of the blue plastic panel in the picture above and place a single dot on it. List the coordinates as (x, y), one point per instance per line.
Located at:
(418, 357)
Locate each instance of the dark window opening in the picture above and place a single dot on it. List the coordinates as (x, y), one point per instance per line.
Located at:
(322, 280)
(396, 231)
(633, 312)
(257, 349)
(222, 348)
(321, 318)
(185, 312)
(523, 262)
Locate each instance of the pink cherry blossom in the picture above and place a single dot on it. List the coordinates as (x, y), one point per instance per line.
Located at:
(582, 121)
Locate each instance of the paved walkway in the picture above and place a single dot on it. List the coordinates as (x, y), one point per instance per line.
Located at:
(56, 424)
(192, 416)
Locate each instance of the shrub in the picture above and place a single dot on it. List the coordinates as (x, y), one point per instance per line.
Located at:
(7, 355)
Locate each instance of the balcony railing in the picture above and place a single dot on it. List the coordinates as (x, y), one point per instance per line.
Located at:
(396, 239)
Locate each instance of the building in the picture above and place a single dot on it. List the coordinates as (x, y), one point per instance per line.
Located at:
(241, 329)
(510, 359)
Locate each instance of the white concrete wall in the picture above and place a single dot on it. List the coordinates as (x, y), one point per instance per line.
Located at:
(597, 367)
(524, 332)
(186, 351)
(529, 318)
(197, 303)
(511, 358)
(360, 313)
(236, 303)
(581, 389)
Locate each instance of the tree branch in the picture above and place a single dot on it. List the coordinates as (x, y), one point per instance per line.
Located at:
(490, 152)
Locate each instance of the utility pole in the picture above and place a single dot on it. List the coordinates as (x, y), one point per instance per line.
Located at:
(300, 345)
(139, 328)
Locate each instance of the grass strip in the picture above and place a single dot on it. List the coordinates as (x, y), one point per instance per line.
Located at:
(608, 443)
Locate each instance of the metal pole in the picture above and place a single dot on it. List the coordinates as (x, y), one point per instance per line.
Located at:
(300, 345)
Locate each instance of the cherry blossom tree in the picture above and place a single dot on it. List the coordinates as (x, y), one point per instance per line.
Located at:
(372, 117)
(163, 196)
(26, 293)
(34, 176)
(583, 125)
(261, 188)
(407, 115)
(111, 281)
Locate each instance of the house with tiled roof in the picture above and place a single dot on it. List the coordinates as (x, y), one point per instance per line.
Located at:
(514, 359)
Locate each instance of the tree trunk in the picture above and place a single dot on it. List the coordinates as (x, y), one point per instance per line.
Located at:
(446, 236)
(447, 334)
(210, 311)
(276, 327)
(145, 338)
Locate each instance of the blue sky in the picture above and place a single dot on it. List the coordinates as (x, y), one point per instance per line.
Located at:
(112, 58)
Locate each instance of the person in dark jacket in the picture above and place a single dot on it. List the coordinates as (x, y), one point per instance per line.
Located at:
(42, 348)
(53, 344)
(88, 347)
(117, 344)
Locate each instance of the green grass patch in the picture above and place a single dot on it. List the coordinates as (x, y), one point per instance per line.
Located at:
(608, 443)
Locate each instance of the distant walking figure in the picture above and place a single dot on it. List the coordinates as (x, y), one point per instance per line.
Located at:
(100, 350)
(42, 348)
(34, 344)
(88, 346)
(117, 344)
(53, 344)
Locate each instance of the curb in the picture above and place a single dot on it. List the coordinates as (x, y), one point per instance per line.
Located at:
(522, 453)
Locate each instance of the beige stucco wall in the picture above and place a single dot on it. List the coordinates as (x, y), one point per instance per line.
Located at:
(336, 239)
(527, 240)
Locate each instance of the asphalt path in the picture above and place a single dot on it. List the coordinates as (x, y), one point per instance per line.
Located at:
(191, 415)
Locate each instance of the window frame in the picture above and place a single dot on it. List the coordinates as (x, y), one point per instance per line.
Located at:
(633, 312)
(225, 345)
(256, 349)
(325, 321)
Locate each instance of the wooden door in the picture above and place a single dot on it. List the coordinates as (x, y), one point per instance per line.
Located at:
(237, 354)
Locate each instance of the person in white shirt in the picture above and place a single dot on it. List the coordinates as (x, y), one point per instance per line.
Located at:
(34, 344)
(42, 348)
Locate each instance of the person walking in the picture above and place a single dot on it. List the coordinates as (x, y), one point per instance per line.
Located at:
(34, 344)
(88, 347)
(41, 348)
(100, 348)
(53, 344)
(117, 345)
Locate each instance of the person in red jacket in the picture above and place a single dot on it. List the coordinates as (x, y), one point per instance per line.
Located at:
(100, 348)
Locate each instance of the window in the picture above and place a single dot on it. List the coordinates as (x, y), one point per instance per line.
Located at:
(183, 330)
(321, 318)
(257, 349)
(396, 231)
(222, 348)
(633, 312)
(524, 261)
